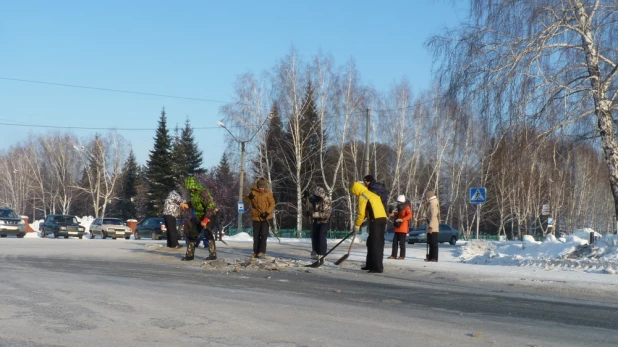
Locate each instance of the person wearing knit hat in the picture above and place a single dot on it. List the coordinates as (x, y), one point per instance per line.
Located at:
(262, 203)
(401, 221)
(433, 225)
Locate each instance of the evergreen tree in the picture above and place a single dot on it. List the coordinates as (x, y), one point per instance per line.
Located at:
(229, 183)
(126, 208)
(193, 155)
(160, 172)
(186, 156)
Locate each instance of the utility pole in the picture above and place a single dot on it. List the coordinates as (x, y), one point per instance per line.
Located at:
(242, 163)
(242, 180)
(367, 132)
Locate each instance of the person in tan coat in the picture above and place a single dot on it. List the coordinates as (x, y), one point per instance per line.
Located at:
(433, 225)
(262, 203)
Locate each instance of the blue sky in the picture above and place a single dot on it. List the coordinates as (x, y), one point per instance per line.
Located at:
(189, 49)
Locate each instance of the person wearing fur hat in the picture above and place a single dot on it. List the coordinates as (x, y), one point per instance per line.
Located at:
(401, 220)
(433, 225)
(319, 207)
(262, 203)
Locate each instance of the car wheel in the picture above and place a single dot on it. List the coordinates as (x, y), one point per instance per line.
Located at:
(153, 236)
(2, 235)
(92, 236)
(453, 240)
(410, 242)
(113, 238)
(103, 235)
(80, 237)
(137, 237)
(20, 236)
(127, 237)
(66, 236)
(55, 235)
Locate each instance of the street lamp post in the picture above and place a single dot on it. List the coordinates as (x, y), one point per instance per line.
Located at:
(242, 162)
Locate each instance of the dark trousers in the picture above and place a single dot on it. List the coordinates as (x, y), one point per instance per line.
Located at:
(318, 238)
(432, 240)
(375, 244)
(260, 234)
(202, 237)
(399, 241)
(171, 232)
(217, 231)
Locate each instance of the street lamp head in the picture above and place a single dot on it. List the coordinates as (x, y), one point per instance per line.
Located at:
(220, 124)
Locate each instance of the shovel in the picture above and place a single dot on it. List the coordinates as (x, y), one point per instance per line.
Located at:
(345, 256)
(321, 260)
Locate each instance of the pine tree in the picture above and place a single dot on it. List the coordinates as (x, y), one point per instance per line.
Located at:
(160, 171)
(193, 155)
(126, 207)
(186, 156)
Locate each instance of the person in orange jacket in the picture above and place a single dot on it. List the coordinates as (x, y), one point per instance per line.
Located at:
(401, 221)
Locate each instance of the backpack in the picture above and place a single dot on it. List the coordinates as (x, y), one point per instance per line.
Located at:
(379, 189)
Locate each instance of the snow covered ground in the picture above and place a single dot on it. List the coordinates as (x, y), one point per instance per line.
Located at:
(571, 253)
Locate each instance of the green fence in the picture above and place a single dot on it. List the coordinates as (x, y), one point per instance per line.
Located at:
(495, 237)
(290, 233)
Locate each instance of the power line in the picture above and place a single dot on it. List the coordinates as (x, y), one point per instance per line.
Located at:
(111, 90)
(98, 128)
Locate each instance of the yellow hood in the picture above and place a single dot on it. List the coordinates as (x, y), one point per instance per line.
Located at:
(358, 188)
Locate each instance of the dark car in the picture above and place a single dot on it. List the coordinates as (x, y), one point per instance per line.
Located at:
(155, 229)
(61, 225)
(446, 234)
(109, 227)
(11, 224)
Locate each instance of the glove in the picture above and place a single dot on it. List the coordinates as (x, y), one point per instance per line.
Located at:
(263, 215)
(356, 229)
(251, 196)
(399, 220)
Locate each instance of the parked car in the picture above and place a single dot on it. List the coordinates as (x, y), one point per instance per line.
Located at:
(11, 223)
(61, 225)
(155, 229)
(109, 227)
(446, 234)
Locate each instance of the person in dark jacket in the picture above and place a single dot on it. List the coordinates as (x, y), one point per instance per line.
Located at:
(262, 203)
(319, 206)
(215, 221)
(401, 219)
(377, 188)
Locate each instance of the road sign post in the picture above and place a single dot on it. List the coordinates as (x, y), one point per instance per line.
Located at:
(241, 207)
(478, 196)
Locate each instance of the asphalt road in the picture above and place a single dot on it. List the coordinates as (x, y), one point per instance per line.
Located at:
(98, 293)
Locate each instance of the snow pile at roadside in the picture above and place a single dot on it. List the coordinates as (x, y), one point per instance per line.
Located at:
(569, 253)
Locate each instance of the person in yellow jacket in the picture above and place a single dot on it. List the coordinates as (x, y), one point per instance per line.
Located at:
(262, 203)
(370, 206)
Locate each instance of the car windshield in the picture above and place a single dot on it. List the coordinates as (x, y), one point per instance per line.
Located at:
(112, 221)
(65, 220)
(7, 214)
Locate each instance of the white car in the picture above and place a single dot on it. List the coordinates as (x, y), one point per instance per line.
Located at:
(11, 224)
(109, 227)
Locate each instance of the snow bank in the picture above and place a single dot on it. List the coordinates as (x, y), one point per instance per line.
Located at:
(570, 253)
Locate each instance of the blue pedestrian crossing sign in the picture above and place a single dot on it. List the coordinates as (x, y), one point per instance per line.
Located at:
(477, 195)
(241, 207)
